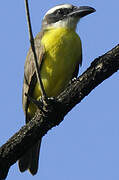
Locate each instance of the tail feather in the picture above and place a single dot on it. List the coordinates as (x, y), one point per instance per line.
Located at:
(33, 168)
(29, 161)
(24, 161)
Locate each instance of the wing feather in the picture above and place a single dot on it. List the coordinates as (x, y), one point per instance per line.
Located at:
(30, 78)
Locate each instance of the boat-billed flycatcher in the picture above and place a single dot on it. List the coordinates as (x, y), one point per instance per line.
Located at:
(59, 54)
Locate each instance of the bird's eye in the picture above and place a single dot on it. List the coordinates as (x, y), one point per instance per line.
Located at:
(62, 12)
(59, 12)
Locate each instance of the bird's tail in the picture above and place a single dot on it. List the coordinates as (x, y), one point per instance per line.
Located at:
(29, 161)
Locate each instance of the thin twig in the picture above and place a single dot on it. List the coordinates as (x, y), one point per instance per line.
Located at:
(34, 52)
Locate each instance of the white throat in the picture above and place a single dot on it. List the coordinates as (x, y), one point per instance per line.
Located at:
(69, 23)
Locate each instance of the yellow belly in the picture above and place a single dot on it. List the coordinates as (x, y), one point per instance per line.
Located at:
(62, 53)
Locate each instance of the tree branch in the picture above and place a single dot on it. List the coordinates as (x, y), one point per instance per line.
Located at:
(101, 68)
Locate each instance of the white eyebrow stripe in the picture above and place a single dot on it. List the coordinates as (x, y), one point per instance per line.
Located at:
(58, 7)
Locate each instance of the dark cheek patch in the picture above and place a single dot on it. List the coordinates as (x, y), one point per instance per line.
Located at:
(51, 18)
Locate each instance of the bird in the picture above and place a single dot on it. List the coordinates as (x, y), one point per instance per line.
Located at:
(59, 53)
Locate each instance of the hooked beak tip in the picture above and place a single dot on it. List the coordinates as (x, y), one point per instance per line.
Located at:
(82, 11)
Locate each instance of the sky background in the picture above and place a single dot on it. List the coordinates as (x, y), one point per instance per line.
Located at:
(85, 146)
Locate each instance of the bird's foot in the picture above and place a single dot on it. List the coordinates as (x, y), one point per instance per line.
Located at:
(39, 104)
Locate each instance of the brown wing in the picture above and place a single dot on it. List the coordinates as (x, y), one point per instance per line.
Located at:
(30, 159)
(29, 71)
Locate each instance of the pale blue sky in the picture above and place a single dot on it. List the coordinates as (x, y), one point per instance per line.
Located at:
(85, 145)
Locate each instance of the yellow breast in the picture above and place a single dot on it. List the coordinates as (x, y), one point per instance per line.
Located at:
(62, 53)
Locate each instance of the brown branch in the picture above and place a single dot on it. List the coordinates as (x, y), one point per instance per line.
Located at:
(100, 69)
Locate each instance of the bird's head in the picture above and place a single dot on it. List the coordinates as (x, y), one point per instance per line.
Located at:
(65, 15)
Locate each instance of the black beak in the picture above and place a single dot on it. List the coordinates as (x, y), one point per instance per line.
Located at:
(81, 11)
